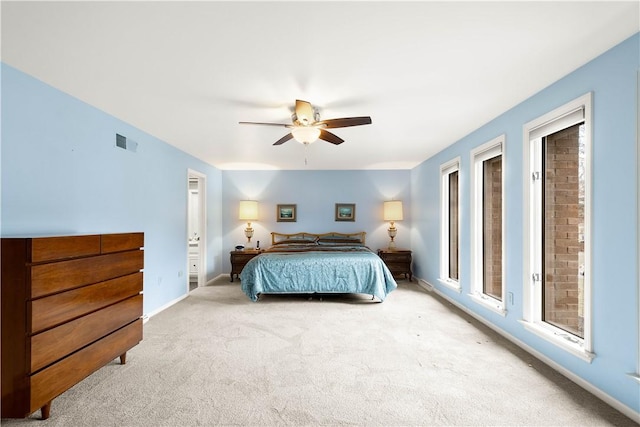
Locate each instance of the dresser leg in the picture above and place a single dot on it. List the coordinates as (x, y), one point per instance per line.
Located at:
(45, 411)
(123, 358)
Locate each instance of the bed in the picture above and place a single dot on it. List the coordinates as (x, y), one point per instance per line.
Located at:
(303, 263)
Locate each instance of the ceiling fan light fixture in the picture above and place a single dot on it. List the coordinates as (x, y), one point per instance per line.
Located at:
(307, 127)
(305, 134)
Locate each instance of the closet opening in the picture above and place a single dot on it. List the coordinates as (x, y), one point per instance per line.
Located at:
(197, 229)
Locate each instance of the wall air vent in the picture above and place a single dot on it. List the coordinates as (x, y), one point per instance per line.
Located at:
(121, 141)
(126, 143)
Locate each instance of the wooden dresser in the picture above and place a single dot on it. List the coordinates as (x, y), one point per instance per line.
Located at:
(397, 260)
(240, 258)
(70, 305)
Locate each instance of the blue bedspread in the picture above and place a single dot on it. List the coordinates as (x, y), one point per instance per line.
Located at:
(347, 270)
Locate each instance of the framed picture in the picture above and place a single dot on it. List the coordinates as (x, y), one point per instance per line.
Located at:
(286, 213)
(345, 212)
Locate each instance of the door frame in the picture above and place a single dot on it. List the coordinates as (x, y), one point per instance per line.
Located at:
(202, 219)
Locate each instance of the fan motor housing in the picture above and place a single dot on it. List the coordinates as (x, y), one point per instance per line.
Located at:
(316, 118)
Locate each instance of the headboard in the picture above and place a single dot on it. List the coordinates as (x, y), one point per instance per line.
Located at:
(358, 237)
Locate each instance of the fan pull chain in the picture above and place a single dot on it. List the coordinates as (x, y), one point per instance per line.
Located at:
(306, 147)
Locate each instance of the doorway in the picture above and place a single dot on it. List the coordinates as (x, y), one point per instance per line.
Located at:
(196, 229)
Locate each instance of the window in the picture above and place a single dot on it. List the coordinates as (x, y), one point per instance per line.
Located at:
(450, 223)
(487, 206)
(557, 216)
(637, 374)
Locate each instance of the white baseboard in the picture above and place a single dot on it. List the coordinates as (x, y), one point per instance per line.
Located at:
(611, 401)
(219, 276)
(146, 317)
(425, 285)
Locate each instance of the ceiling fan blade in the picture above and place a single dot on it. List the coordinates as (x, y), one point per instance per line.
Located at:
(345, 122)
(329, 137)
(266, 124)
(283, 139)
(304, 112)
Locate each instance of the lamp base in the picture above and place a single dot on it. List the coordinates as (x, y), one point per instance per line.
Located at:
(248, 246)
(392, 234)
(248, 232)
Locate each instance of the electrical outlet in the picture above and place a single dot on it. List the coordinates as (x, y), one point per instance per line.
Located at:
(511, 298)
(180, 273)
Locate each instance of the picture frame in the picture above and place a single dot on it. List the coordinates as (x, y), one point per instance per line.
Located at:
(345, 212)
(286, 213)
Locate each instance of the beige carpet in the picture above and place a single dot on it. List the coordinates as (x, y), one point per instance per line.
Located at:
(217, 358)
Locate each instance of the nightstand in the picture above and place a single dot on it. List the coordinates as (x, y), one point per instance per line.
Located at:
(240, 258)
(398, 261)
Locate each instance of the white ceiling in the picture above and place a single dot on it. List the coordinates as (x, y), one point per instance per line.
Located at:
(428, 73)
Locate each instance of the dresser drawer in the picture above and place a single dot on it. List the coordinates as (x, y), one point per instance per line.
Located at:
(57, 248)
(243, 258)
(59, 308)
(56, 277)
(121, 242)
(391, 257)
(193, 264)
(54, 344)
(397, 266)
(54, 380)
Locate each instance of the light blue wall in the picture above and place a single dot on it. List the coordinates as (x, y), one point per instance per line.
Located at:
(315, 193)
(62, 174)
(612, 78)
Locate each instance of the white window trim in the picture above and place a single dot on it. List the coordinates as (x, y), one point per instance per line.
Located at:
(490, 303)
(531, 292)
(447, 168)
(636, 374)
(486, 151)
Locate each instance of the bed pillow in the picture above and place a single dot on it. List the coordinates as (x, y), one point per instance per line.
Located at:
(306, 241)
(339, 240)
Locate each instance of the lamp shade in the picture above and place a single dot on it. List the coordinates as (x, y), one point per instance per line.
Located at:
(392, 210)
(248, 210)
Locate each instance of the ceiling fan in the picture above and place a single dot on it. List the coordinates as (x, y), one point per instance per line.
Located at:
(307, 126)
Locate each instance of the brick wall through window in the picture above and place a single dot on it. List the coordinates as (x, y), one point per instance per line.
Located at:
(453, 226)
(492, 227)
(563, 235)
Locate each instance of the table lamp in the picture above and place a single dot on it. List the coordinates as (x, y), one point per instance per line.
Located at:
(392, 213)
(248, 212)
